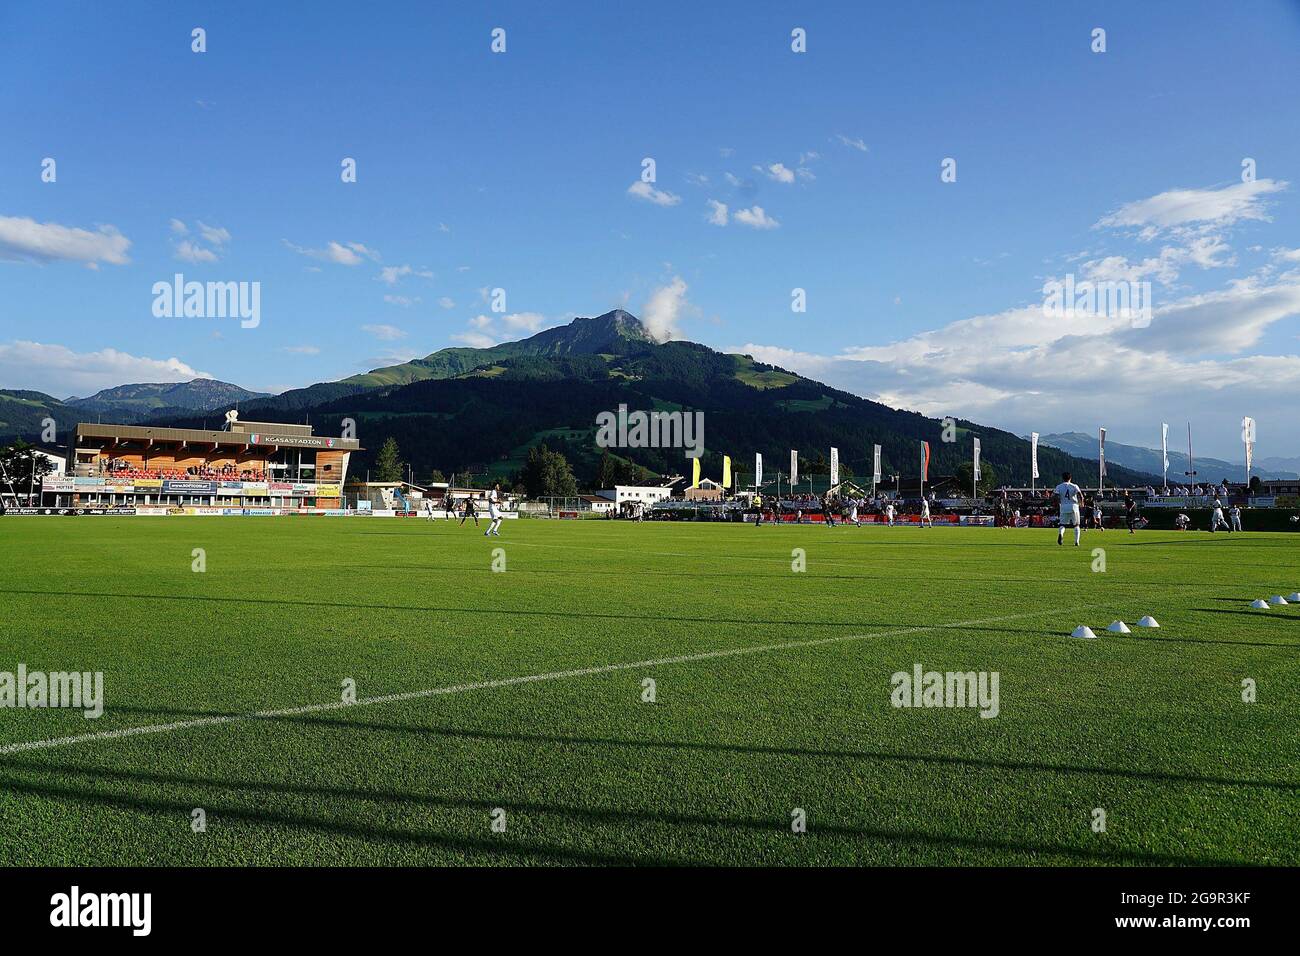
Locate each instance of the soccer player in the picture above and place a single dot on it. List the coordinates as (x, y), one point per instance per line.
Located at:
(469, 512)
(758, 508)
(1217, 518)
(1096, 514)
(1235, 514)
(853, 513)
(926, 521)
(1130, 513)
(889, 513)
(1070, 494)
(494, 499)
(428, 509)
(1182, 521)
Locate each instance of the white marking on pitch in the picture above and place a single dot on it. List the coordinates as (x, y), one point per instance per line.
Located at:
(150, 729)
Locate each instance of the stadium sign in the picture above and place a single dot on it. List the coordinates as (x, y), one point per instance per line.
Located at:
(297, 441)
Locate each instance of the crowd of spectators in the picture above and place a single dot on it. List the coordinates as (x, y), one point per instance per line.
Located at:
(119, 468)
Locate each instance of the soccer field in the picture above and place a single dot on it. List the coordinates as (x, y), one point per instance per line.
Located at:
(522, 690)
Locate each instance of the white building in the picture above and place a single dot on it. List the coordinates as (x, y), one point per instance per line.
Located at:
(642, 494)
(58, 461)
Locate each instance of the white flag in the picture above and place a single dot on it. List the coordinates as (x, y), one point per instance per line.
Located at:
(758, 470)
(835, 467)
(1033, 452)
(794, 467)
(1101, 454)
(977, 459)
(1164, 449)
(875, 468)
(1248, 436)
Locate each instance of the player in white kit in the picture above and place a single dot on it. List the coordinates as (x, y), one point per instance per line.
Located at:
(494, 501)
(1070, 494)
(926, 520)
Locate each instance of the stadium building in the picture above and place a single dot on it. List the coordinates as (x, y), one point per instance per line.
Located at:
(254, 467)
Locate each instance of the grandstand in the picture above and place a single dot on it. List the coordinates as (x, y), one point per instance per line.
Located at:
(259, 467)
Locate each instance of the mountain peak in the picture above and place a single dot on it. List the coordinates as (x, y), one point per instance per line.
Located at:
(616, 323)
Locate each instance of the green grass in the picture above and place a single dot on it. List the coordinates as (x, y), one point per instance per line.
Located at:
(1150, 727)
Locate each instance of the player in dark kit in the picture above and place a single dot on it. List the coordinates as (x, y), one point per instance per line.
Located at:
(1130, 513)
(469, 512)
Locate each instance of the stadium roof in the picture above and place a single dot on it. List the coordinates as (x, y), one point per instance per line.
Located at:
(267, 438)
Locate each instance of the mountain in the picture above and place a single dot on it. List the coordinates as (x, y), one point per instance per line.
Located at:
(480, 410)
(131, 403)
(1148, 460)
(23, 414)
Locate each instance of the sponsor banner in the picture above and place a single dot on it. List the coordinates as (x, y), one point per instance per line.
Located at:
(88, 482)
(977, 521)
(259, 488)
(332, 491)
(118, 488)
(56, 484)
(281, 486)
(150, 510)
(191, 487)
(116, 510)
(303, 487)
(148, 484)
(230, 485)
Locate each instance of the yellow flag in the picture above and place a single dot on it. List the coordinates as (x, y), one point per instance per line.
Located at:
(726, 471)
(695, 473)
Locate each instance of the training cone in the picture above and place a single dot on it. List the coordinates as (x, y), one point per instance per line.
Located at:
(1083, 630)
(1148, 621)
(1119, 627)
(1277, 599)
(1294, 597)
(1259, 603)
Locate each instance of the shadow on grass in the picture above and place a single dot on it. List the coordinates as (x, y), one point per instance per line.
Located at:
(1152, 776)
(465, 844)
(489, 611)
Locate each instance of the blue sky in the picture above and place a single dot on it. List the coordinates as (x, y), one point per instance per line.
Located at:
(479, 170)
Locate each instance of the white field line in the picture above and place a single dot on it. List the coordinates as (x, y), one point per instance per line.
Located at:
(150, 729)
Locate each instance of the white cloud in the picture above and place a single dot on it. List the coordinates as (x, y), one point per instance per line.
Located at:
(405, 301)
(524, 321)
(475, 340)
(717, 213)
(447, 302)
(26, 240)
(178, 227)
(213, 235)
(339, 253)
(386, 333)
(390, 274)
(302, 349)
(697, 179)
(190, 251)
(855, 143)
(489, 330)
(778, 172)
(1179, 209)
(756, 218)
(1021, 370)
(59, 371)
(663, 310)
(644, 190)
